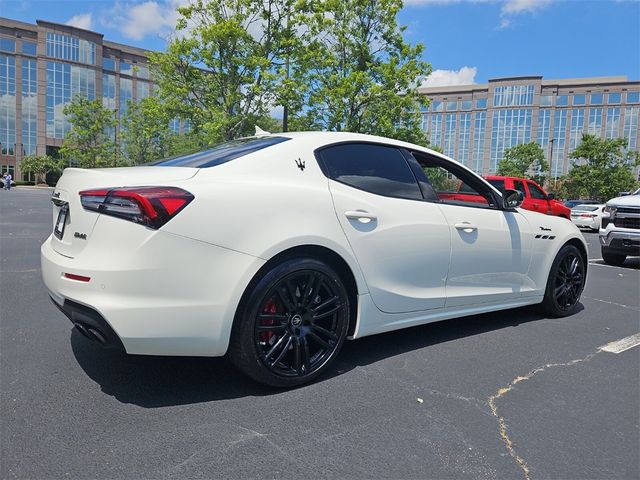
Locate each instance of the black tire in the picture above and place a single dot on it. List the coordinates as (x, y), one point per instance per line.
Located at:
(291, 323)
(613, 258)
(565, 283)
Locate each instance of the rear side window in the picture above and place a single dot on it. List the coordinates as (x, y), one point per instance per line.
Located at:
(536, 192)
(222, 153)
(498, 183)
(518, 185)
(375, 168)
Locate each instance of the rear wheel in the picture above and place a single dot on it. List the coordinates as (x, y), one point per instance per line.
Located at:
(565, 283)
(613, 258)
(292, 323)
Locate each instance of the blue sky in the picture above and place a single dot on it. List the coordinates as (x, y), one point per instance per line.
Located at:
(467, 41)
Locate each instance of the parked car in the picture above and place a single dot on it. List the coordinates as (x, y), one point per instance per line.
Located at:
(573, 203)
(620, 229)
(274, 249)
(587, 216)
(535, 198)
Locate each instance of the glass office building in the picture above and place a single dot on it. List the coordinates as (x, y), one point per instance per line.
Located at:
(42, 67)
(475, 123)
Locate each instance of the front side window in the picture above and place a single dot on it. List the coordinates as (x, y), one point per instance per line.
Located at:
(374, 168)
(446, 182)
(536, 192)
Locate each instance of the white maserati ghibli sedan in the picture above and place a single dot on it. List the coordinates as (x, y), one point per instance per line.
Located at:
(276, 248)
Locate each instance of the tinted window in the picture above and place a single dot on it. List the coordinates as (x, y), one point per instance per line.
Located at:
(499, 184)
(374, 168)
(222, 153)
(536, 192)
(518, 185)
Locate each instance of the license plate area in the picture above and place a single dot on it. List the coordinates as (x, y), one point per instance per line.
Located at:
(61, 221)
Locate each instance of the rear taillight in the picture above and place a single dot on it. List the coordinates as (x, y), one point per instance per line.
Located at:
(149, 206)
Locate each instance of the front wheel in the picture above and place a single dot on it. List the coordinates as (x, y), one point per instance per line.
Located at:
(292, 323)
(565, 283)
(613, 258)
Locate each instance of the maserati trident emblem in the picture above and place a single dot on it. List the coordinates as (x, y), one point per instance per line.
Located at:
(300, 164)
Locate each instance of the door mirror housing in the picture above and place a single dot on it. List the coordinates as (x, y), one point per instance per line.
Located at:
(551, 196)
(512, 199)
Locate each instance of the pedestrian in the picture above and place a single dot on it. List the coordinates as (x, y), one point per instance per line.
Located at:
(7, 181)
(2, 179)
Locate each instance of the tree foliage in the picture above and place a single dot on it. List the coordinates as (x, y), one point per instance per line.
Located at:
(145, 133)
(525, 161)
(89, 142)
(40, 165)
(602, 168)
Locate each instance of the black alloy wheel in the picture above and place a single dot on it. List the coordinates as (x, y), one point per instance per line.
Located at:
(294, 323)
(566, 282)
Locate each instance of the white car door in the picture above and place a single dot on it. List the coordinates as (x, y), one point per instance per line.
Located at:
(401, 242)
(491, 247)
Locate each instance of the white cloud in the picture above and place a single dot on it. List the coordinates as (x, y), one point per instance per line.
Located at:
(83, 20)
(523, 6)
(445, 78)
(139, 20)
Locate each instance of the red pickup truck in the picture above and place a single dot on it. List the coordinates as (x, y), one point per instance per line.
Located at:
(535, 198)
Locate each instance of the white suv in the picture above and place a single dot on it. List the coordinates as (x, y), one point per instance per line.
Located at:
(620, 229)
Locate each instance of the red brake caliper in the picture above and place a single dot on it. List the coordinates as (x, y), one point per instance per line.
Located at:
(269, 308)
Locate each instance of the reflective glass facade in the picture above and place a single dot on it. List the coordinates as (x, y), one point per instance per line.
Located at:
(126, 94)
(510, 127)
(479, 128)
(29, 106)
(75, 49)
(464, 136)
(544, 128)
(631, 115)
(613, 123)
(577, 128)
(109, 91)
(7, 104)
(64, 82)
(513, 95)
(559, 135)
(595, 121)
(142, 90)
(450, 134)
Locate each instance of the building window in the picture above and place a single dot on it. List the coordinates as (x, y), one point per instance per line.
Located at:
(579, 99)
(7, 105)
(559, 132)
(464, 137)
(481, 103)
(613, 123)
(109, 64)
(546, 100)
(436, 130)
(143, 72)
(142, 90)
(577, 127)
(478, 140)
(66, 47)
(450, 134)
(613, 98)
(513, 95)
(562, 101)
(452, 106)
(174, 125)
(126, 94)
(595, 121)
(633, 97)
(631, 115)
(109, 91)
(126, 68)
(64, 82)
(510, 127)
(29, 48)
(29, 106)
(465, 105)
(424, 125)
(437, 106)
(544, 128)
(596, 98)
(7, 45)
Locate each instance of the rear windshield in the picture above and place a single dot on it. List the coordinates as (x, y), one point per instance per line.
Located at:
(499, 184)
(222, 153)
(585, 208)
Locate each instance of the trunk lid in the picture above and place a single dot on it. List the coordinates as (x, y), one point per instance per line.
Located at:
(72, 224)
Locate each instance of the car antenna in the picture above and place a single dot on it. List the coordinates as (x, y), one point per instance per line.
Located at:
(260, 132)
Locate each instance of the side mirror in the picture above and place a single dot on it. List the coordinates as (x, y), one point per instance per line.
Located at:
(551, 196)
(512, 199)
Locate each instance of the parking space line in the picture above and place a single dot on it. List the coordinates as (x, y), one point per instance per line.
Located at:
(621, 345)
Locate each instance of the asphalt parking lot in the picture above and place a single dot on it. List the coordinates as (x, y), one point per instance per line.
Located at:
(504, 395)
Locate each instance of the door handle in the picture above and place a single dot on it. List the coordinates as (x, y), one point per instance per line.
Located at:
(360, 215)
(466, 227)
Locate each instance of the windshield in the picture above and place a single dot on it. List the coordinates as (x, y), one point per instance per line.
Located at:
(222, 153)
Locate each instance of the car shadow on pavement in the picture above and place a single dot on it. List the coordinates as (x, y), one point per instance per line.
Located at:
(154, 381)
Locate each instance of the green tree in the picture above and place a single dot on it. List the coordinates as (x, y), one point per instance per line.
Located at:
(227, 68)
(602, 168)
(40, 165)
(89, 142)
(524, 160)
(363, 77)
(145, 133)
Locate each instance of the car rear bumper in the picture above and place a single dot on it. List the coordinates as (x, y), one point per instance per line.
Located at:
(169, 296)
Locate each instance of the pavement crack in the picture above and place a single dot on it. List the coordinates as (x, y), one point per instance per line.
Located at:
(504, 434)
